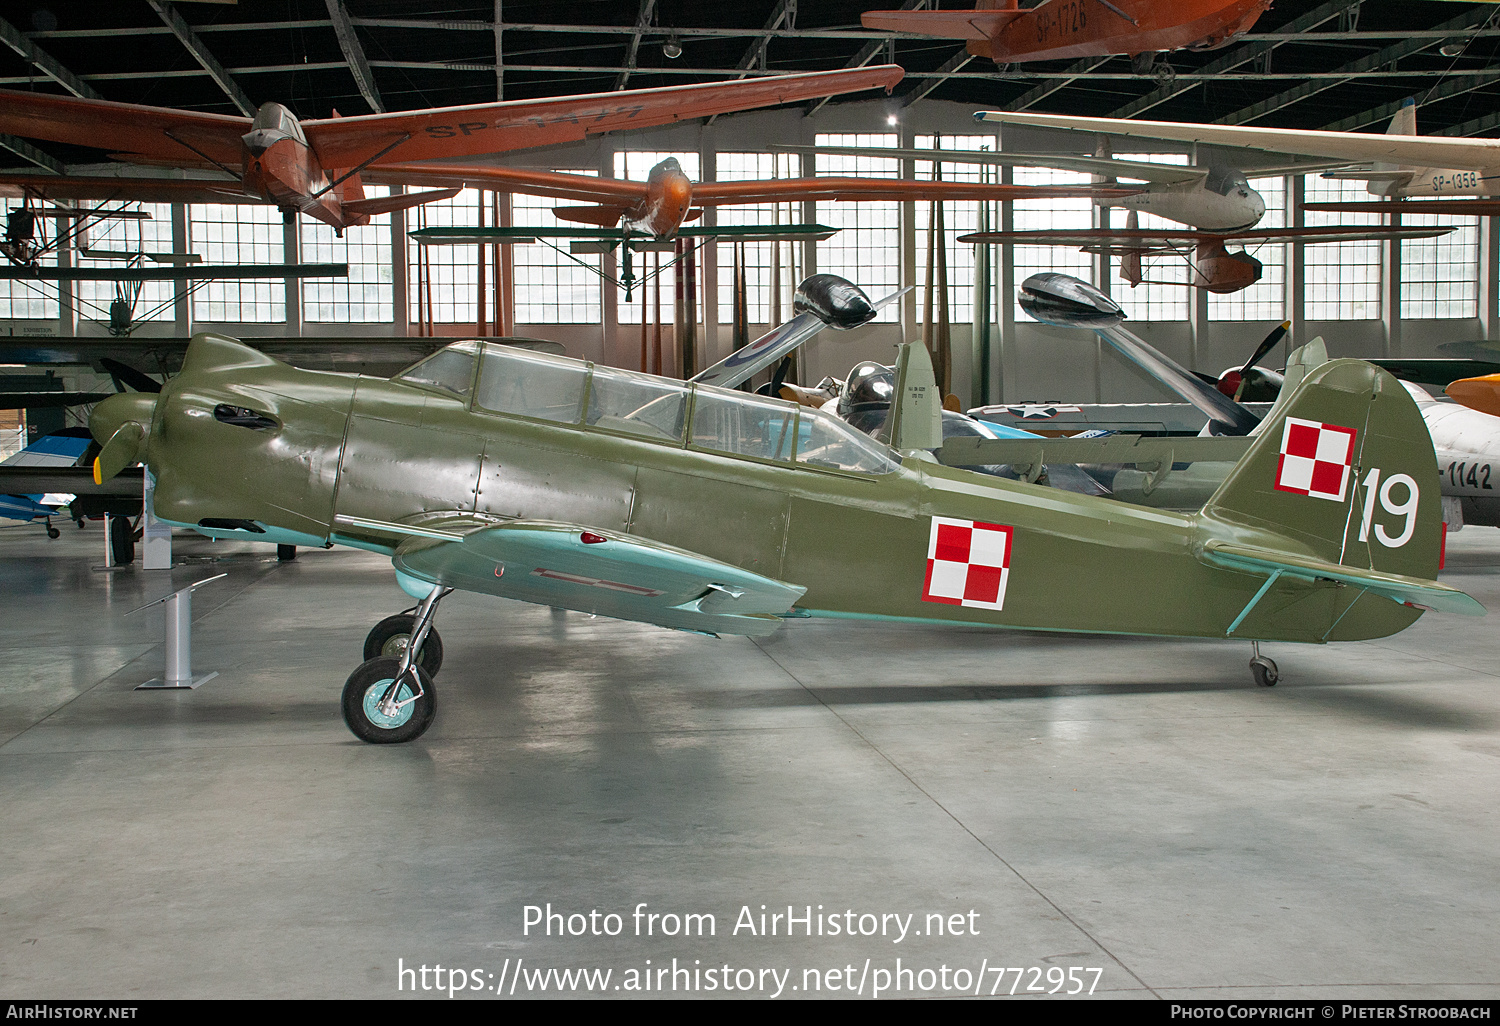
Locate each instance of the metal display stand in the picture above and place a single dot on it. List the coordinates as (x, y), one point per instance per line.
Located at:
(179, 646)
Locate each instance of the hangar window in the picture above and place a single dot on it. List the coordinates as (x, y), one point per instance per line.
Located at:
(637, 404)
(1164, 295)
(551, 286)
(118, 236)
(1266, 299)
(444, 277)
(1342, 278)
(238, 233)
(736, 423)
(1440, 277)
(867, 249)
(636, 166)
(451, 370)
(959, 218)
(1050, 214)
(367, 295)
(531, 384)
(764, 262)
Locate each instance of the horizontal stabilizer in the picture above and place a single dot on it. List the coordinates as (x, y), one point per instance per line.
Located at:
(1397, 587)
(378, 205)
(941, 24)
(605, 217)
(596, 571)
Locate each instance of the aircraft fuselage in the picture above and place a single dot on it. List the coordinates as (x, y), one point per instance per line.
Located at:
(1222, 201)
(280, 167)
(1068, 29)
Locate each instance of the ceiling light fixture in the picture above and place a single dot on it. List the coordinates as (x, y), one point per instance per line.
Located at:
(671, 49)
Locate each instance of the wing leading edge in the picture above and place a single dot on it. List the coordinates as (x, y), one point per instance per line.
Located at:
(594, 571)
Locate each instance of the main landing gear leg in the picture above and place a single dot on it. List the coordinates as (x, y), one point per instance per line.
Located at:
(1263, 668)
(390, 699)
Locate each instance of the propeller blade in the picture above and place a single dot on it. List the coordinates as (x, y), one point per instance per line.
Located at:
(138, 380)
(1267, 344)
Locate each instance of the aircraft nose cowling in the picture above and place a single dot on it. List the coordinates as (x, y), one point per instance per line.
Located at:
(836, 301)
(118, 410)
(1055, 298)
(261, 140)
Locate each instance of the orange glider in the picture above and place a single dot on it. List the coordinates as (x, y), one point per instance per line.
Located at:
(1069, 29)
(313, 166)
(660, 205)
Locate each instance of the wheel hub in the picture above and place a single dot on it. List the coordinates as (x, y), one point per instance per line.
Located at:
(388, 715)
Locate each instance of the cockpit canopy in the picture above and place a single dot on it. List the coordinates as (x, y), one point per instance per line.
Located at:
(277, 118)
(538, 386)
(1226, 181)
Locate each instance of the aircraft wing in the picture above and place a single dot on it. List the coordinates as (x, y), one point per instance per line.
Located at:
(1147, 171)
(519, 124)
(136, 190)
(973, 451)
(969, 24)
(593, 571)
(178, 136)
(1423, 150)
(1125, 240)
(588, 188)
(888, 189)
(1470, 207)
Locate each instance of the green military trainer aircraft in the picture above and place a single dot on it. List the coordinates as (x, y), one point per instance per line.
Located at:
(562, 482)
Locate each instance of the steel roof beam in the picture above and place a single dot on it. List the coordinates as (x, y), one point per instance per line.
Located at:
(189, 39)
(1234, 59)
(867, 53)
(44, 62)
(1071, 74)
(24, 149)
(354, 53)
(949, 68)
(642, 22)
(1448, 88)
(1380, 59)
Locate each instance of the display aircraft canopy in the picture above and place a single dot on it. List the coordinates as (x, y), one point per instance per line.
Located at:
(313, 166)
(1069, 29)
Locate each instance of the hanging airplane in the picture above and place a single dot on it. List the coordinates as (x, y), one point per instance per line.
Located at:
(640, 213)
(1007, 33)
(1215, 267)
(706, 510)
(313, 166)
(1404, 166)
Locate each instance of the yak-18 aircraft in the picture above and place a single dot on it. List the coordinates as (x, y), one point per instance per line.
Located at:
(702, 509)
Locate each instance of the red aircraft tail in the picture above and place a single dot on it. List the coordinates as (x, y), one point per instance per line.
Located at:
(984, 22)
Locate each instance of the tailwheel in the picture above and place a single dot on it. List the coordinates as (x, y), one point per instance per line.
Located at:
(381, 711)
(1263, 669)
(391, 636)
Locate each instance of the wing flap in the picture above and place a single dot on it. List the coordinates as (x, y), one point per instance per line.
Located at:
(597, 571)
(1412, 591)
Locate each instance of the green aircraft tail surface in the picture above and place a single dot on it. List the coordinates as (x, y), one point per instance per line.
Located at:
(1340, 485)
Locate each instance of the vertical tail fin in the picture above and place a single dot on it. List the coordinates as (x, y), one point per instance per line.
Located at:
(1344, 473)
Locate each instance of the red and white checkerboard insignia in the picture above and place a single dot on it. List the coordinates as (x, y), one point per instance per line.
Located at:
(1315, 459)
(967, 563)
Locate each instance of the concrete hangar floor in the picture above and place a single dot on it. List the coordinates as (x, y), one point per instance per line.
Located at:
(1129, 805)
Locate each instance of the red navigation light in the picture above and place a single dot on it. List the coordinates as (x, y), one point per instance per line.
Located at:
(590, 538)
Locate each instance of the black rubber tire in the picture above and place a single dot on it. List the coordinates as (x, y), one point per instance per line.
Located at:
(387, 636)
(53, 532)
(122, 540)
(286, 553)
(1265, 672)
(376, 674)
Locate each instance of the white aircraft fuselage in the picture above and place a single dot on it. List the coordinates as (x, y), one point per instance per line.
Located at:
(1221, 201)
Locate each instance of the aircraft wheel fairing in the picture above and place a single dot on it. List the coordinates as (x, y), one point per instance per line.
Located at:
(364, 692)
(1264, 671)
(391, 636)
